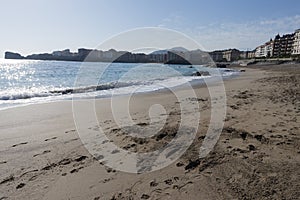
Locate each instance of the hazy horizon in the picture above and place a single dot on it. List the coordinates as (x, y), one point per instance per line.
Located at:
(36, 27)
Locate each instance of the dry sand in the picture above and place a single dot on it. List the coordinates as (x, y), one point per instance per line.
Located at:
(256, 157)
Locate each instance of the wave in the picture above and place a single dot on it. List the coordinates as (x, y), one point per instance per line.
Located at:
(148, 85)
(105, 86)
(27, 94)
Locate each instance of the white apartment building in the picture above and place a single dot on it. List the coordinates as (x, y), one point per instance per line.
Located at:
(259, 51)
(296, 44)
(265, 50)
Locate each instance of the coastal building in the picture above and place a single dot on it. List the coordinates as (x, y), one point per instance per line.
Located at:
(243, 55)
(296, 43)
(265, 50)
(95, 55)
(65, 52)
(158, 58)
(259, 51)
(283, 45)
(216, 56)
(172, 56)
(83, 53)
(269, 46)
(231, 55)
(247, 54)
(251, 54)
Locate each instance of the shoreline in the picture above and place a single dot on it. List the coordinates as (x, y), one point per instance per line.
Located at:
(42, 155)
(190, 83)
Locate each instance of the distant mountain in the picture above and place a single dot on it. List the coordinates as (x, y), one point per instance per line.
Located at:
(159, 52)
(165, 51)
(181, 49)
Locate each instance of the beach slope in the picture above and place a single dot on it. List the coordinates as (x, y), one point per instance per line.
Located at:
(257, 155)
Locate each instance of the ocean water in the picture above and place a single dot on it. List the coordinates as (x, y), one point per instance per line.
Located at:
(25, 82)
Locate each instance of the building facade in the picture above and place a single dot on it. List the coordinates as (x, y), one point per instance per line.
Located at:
(247, 54)
(296, 43)
(217, 56)
(231, 55)
(259, 51)
(265, 50)
(251, 54)
(65, 52)
(283, 45)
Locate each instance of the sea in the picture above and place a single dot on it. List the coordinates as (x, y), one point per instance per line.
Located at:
(24, 82)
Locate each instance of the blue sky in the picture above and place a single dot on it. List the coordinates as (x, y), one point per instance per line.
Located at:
(43, 26)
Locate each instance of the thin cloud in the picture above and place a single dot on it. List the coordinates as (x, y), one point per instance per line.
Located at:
(172, 20)
(245, 36)
(248, 35)
(285, 22)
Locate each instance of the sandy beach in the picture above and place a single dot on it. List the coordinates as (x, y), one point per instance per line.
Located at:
(257, 155)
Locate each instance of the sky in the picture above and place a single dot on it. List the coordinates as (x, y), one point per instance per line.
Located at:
(36, 26)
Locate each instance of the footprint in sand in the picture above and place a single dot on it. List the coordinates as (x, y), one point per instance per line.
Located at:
(22, 143)
(106, 180)
(179, 187)
(80, 158)
(44, 152)
(145, 196)
(28, 172)
(75, 139)
(21, 185)
(76, 170)
(70, 131)
(179, 164)
(7, 179)
(142, 124)
(153, 183)
(109, 170)
(32, 178)
(53, 138)
(168, 182)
